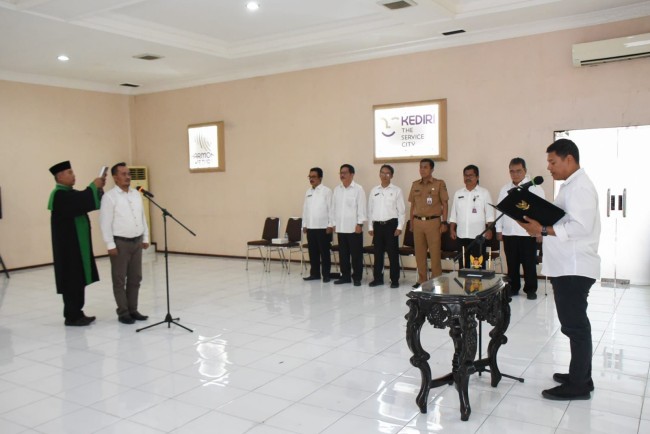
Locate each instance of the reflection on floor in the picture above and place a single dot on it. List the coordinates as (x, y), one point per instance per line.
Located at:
(273, 354)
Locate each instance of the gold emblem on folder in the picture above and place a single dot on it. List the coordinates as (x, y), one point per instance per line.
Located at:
(523, 205)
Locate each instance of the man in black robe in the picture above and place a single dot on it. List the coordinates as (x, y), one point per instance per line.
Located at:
(74, 262)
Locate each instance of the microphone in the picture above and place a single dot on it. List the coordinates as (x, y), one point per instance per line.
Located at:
(143, 191)
(525, 186)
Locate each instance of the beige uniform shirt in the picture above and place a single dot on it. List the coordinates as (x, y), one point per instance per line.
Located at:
(427, 196)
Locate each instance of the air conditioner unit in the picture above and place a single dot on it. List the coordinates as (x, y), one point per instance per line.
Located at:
(611, 50)
(140, 178)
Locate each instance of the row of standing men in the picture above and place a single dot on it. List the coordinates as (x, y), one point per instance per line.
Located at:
(344, 211)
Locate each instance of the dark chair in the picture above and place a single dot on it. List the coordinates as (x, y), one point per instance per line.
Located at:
(271, 229)
(368, 251)
(449, 249)
(292, 243)
(334, 249)
(303, 261)
(408, 246)
(540, 259)
(494, 250)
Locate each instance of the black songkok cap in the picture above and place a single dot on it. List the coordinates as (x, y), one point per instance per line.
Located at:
(60, 167)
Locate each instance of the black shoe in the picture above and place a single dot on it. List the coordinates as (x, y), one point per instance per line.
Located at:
(79, 322)
(512, 293)
(311, 278)
(564, 379)
(416, 286)
(326, 279)
(138, 316)
(335, 275)
(566, 392)
(89, 318)
(342, 281)
(357, 283)
(125, 319)
(394, 285)
(376, 283)
(531, 296)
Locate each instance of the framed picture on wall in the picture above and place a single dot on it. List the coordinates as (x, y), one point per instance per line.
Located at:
(206, 147)
(411, 131)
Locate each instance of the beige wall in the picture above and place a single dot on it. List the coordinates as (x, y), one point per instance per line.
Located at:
(505, 99)
(40, 126)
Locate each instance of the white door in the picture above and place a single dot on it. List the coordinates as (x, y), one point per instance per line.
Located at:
(616, 160)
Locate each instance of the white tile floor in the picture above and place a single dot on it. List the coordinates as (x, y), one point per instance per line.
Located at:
(273, 354)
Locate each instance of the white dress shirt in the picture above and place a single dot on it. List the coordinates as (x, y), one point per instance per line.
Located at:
(471, 211)
(348, 208)
(386, 204)
(505, 224)
(316, 209)
(573, 251)
(122, 214)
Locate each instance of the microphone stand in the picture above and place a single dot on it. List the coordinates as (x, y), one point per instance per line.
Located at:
(168, 318)
(479, 240)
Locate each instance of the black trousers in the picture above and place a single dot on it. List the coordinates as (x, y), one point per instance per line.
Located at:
(73, 302)
(476, 251)
(521, 250)
(571, 294)
(385, 241)
(351, 247)
(318, 244)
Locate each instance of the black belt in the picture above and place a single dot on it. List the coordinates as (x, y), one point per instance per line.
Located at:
(431, 217)
(132, 240)
(385, 222)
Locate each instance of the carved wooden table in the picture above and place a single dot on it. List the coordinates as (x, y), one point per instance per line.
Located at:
(456, 302)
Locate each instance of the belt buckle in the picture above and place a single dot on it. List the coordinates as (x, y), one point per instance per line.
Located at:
(423, 218)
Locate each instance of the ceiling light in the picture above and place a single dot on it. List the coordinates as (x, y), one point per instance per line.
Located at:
(63, 58)
(252, 6)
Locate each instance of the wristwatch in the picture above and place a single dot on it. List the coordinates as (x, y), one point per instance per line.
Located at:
(444, 223)
(544, 231)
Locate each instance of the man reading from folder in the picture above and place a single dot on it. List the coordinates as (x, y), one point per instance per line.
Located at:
(571, 261)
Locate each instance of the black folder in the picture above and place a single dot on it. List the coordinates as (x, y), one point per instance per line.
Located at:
(519, 203)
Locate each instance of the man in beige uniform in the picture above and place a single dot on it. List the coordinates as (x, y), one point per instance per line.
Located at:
(429, 204)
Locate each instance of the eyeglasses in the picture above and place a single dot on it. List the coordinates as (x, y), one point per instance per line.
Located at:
(312, 177)
(385, 174)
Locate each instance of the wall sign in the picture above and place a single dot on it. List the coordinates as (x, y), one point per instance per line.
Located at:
(411, 131)
(206, 147)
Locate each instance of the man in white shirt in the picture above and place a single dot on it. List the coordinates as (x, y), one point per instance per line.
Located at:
(519, 247)
(347, 215)
(470, 215)
(386, 212)
(125, 232)
(572, 263)
(315, 217)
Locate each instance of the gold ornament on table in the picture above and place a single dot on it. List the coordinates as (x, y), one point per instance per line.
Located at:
(473, 285)
(476, 261)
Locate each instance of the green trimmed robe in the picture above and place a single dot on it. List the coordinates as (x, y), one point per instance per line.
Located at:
(72, 248)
